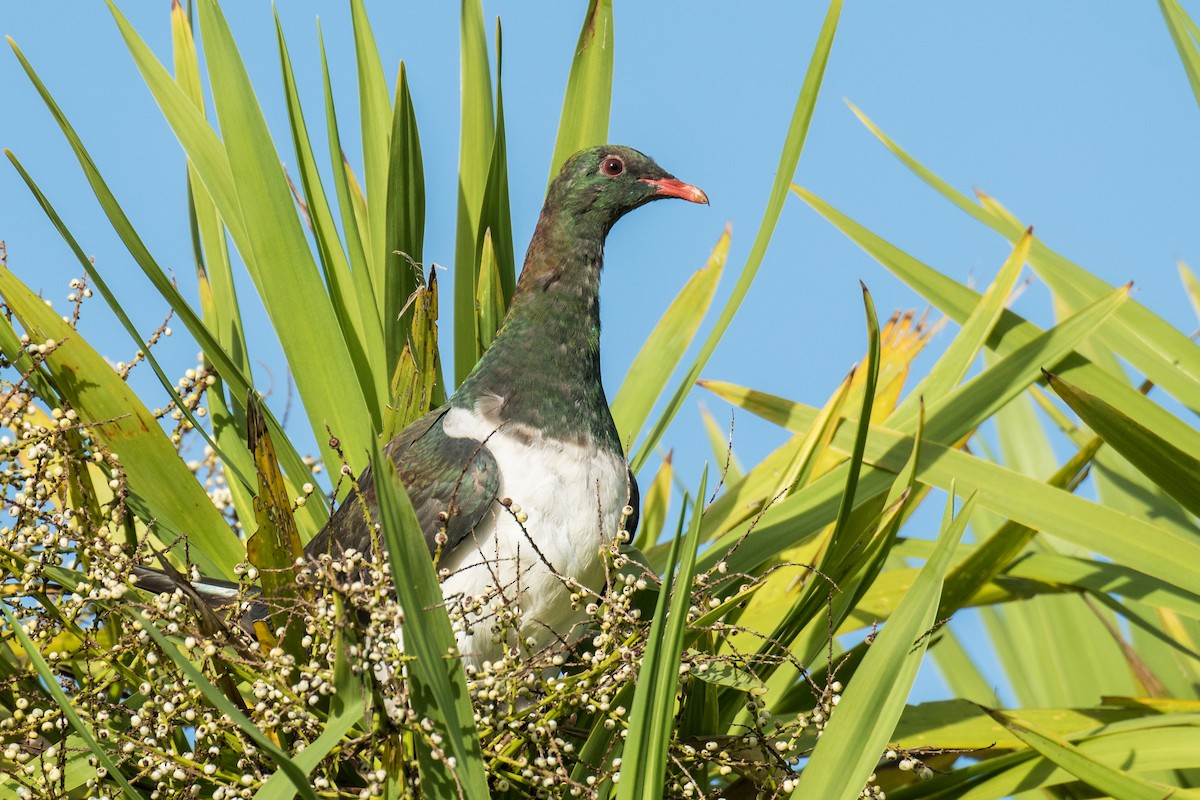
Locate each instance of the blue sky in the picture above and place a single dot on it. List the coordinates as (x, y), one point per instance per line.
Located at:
(1079, 120)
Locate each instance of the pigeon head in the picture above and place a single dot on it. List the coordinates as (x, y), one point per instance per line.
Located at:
(602, 184)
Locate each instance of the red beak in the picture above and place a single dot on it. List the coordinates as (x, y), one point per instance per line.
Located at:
(672, 187)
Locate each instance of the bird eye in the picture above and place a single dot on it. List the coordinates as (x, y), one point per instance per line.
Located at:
(612, 166)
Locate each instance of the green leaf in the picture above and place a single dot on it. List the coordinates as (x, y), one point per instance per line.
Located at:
(862, 724)
(1102, 577)
(218, 295)
(359, 326)
(1007, 542)
(1178, 24)
(474, 158)
(788, 160)
(1175, 470)
(293, 291)
(489, 298)
(495, 213)
(370, 303)
(1157, 552)
(652, 715)
(282, 265)
(584, 121)
(964, 349)
(115, 415)
(375, 113)
(405, 238)
(437, 684)
(725, 673)
(666, 344)
(1113, 782)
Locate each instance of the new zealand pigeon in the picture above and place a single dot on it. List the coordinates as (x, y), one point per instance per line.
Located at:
(520, 479)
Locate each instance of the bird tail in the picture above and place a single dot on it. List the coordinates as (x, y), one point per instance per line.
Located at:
(213, 598)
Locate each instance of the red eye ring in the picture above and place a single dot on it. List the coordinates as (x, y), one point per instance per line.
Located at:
(612, 166)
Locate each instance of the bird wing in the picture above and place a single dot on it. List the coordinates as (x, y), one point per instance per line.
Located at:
(451, 482)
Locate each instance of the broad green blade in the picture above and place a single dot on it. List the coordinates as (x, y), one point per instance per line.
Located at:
(861, 726)
(495, 214)
(359, 326)
(584, 121)
(405, 229)
(218, 295)
(1157, 552)
(489, 298)
(282, 265)
(652, 715)
(357, 237)
(375, 114)
(1176, 471)
(226, 322)
(437, 683)
(1185, 42)
(1102, 577)
(1113, 782)
(961, 723)
(474, 158)
(208, 155)
(962, 351)
(117, 417)
(200, 142)
(788, 160)
(1170, 746)
(665, 346)
(50, 682)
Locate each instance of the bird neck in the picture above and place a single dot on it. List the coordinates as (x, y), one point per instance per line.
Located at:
(545, 361)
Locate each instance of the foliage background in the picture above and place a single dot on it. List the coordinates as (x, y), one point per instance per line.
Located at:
(1080, 135)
